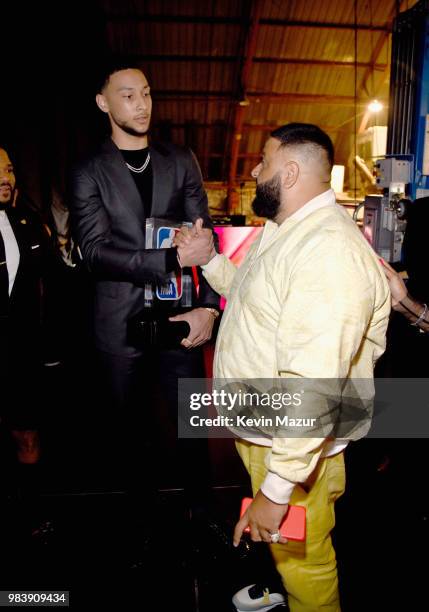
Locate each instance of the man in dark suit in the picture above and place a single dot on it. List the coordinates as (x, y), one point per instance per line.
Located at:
(113, 193)
(25, 258)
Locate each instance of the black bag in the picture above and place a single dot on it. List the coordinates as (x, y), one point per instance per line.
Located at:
(151, 328)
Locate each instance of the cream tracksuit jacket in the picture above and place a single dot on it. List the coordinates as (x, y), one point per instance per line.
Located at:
(310, 300)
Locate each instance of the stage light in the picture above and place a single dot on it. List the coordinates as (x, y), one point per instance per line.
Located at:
(375, 106)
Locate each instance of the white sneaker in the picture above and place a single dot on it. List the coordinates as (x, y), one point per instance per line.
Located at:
(256, 598)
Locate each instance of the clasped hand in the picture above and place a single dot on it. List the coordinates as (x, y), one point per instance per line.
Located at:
(195, 246)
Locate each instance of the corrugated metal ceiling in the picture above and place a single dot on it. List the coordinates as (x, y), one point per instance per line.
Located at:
(193, 53)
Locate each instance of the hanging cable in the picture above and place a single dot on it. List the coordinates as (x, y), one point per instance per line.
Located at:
(373, 92)
(355, 95)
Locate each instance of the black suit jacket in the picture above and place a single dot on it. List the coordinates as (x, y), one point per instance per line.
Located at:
(23, 325)
(108, 221)
(24, 328)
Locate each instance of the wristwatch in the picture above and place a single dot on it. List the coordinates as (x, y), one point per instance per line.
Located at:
(212, 311)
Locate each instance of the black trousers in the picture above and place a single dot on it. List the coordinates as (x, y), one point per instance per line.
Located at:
(142, 395)
(21, 375)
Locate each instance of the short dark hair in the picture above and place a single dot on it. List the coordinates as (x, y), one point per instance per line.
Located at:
(305, 133)
(109, 67)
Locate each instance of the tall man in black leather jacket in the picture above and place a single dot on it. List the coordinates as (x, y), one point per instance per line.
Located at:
(112, 195)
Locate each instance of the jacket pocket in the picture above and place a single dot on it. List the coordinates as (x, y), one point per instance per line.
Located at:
(336, 476)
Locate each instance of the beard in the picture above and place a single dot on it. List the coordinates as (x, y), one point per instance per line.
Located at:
(6, 203)
(267, 200)
(128, 128)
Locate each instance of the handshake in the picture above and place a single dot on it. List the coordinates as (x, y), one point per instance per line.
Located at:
(195, 246)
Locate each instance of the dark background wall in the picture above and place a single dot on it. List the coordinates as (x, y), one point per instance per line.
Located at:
(50, 53)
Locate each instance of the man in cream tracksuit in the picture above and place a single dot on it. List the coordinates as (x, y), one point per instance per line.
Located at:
(310, 301)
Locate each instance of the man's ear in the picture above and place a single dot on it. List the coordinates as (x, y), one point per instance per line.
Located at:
(290, 174)
(102, 103)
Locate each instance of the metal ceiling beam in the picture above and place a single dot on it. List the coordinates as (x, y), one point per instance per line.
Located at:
(374, 57)
(239, 111)
(253, 127)
(317, 62)
(247, 127)
(274, 98)
(384, 37)
(317, 24)
(271, 98)
(195, 19)
(257, 60)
